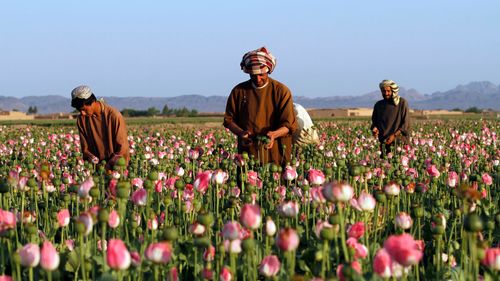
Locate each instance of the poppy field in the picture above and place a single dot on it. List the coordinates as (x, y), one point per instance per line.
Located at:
(189, 207)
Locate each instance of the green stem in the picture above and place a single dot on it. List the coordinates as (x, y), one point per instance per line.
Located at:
(82, 258)
(342, 234)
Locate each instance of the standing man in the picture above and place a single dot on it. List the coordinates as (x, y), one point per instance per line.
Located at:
(261, 107)
(390, 117)
(103, 133)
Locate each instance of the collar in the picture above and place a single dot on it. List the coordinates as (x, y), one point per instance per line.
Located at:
(260, 88)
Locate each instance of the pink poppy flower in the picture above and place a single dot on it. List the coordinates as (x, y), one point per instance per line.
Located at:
(160, 252)
(269, 266)
(84, 188)
(225, 274)
(403, 249)
(87, 221)
(209, 254)
(219, 177)
(360, 250)
(231, 230)
(289, 174)
(356, 230)
(114, 219)
(452, 179)
(287, 239)
(289, 209)
(250, 216)
(63, 217)
(487, 179)
(392, 188)
(403, 220)
(49, 258)
(117, 255)
(140, 197)
(366, 202)
(270, 227)
(492, 259)
(338, 192)
(316, 177)
(382, 264)
(7, 220)
(202, 181)
(30, 255)
(433, 171)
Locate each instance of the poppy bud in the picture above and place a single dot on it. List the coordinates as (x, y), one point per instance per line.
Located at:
(103, 215)
(121, 162)
(171, 233)
(473, 223)
(94, 192)
(206, 219)
(327, 233)
(248, 245)
(202, 242)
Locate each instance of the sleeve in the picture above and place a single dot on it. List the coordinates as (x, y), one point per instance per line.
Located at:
(374, 117)
(287, 116)
(405, 118)
(230, 116)
(84, 146)
(121, 138)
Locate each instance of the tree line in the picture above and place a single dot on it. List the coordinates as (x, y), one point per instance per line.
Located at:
(153, 111)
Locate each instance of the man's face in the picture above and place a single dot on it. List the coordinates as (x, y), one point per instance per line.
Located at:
(259, 80)
(86, 110)
(387, 93)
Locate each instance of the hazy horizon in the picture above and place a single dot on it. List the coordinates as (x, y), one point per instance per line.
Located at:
(323, 48)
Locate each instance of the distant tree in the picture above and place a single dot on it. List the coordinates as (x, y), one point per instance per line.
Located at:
(32, 110)
(15, 109)
(473, 110)
(456, 109)
(152, 111)
(166, 110)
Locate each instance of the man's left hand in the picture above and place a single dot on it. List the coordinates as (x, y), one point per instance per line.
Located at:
(390, 139)
(272, 135)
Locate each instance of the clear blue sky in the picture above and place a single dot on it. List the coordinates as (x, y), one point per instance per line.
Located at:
(170, 48)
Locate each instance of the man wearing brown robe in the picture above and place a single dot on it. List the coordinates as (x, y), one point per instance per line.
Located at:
(102, 128)
(390, 117)
(261, 107)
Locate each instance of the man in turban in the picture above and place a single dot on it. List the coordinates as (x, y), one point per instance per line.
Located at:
(260, 111)
(102, 128)
(390, 117)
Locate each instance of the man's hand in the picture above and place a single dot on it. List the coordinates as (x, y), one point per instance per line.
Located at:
(93, 159)
(245, 138)
(390, 139)
(272, 135)
(375, 131)
(111, 163)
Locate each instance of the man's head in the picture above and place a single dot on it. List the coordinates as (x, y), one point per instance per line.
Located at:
(82, 99)
(259, 64)
(389, 90)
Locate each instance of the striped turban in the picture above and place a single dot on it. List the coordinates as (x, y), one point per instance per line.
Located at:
(394, 89)
(258, 61)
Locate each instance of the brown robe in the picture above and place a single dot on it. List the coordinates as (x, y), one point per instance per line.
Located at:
(103, 136)
(259, 111)
(389, 117)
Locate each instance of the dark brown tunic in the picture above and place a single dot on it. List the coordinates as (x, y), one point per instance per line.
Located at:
(103, 136)
(259, 111)
(388, 118)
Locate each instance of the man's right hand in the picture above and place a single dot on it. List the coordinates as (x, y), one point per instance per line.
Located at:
(245, 138)
(375, 132)
(94, 159)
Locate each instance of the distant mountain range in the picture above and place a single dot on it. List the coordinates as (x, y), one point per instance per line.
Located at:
(484, 95)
